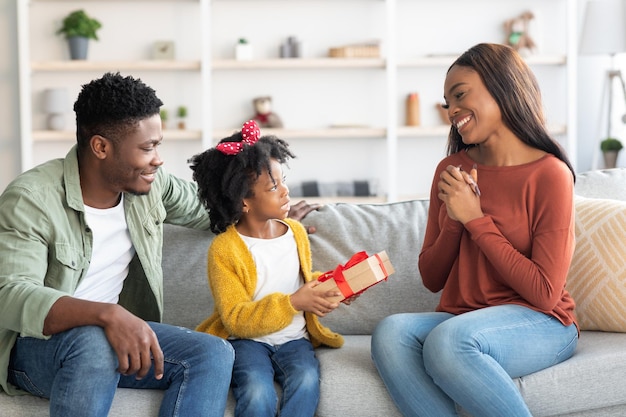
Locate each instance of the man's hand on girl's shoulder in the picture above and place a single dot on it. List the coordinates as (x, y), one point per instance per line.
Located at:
(300, 210)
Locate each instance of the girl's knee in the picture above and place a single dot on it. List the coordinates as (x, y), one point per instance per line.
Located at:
(257, 395)
(308, 378)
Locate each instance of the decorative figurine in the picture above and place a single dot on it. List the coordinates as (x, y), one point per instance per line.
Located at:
(163, 50)
(291, 48)
(264, 115)
(517, 34)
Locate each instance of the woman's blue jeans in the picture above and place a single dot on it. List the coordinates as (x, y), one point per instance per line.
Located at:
(293, 365)
(430, 361)
(77, 371)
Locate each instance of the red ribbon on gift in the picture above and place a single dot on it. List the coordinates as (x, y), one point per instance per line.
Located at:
(337, 273)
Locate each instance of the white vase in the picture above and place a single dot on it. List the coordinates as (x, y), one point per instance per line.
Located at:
(243, 52)
(56, 103)
(56, 121)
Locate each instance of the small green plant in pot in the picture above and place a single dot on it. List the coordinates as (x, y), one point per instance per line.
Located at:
(163, 113)
(611, 144)
(78, 28)
(181, 112)
(610, 148)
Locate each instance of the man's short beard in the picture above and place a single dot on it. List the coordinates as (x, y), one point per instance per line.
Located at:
(138, 193)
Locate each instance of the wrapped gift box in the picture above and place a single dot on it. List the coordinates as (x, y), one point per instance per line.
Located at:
(357, 275)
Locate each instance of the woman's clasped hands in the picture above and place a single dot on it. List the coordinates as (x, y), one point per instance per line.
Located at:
(459, 190)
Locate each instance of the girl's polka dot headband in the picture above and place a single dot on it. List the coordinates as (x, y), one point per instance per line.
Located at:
(250, 133)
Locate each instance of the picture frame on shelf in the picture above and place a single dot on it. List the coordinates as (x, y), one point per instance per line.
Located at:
(163, 50)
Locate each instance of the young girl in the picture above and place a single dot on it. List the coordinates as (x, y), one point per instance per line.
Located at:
(259, 267)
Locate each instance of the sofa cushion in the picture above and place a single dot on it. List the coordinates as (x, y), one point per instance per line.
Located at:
(589, 381)
(602, 183)
(349, 383)
(597, 276)
(186, 295)
(398, 228)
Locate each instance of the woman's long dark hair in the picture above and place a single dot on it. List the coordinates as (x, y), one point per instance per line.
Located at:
(514, 87)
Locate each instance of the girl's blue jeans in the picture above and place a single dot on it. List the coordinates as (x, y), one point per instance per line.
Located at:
(293, 365)
(77, 371)
(430, 361)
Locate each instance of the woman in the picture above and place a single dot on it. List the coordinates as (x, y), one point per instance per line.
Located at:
(498, 245)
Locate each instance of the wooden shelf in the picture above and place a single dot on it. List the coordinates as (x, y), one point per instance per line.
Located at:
(298, 63)
(86, 65)
(68, 135)
(557, 129)
(546, 60)
(361, 132)
(291, 63)
(173, 65)
(443, 130)
(423, 131)
(112, 1)
(320, 63)
(447, 60)
(334, 132)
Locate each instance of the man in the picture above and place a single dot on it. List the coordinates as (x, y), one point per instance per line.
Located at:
(80, 272)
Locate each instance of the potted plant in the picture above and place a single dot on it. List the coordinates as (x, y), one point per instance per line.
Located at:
(181, 112)
(164, 115)
(243, 50)
(78, 28)
(610, 148)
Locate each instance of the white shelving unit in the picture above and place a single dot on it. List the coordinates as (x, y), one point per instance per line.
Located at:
(429, 37)
(344, 118)
(44, 62)
(420, 39)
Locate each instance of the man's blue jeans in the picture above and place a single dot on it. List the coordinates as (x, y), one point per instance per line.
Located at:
(77, 371)
(294, 366)
(430, 361)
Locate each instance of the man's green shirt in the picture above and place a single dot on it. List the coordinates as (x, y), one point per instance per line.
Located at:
(46, 246)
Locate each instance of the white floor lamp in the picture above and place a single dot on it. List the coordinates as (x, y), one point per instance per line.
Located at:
(604, 33)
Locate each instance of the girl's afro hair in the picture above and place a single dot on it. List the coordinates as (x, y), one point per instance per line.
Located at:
(225, 180)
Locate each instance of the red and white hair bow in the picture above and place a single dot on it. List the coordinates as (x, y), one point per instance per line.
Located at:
(250, 133)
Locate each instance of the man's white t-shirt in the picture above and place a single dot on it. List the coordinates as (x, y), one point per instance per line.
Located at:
(111, 255)
(278, 270)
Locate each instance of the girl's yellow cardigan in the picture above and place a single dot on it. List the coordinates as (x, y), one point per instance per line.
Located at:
(232, 279)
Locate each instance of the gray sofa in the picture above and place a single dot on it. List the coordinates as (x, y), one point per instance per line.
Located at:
(589, 384)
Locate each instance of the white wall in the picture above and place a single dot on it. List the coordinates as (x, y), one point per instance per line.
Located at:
(593, 103)
(128, 31)
(591, 78)
(422, 28)
(9, 94)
